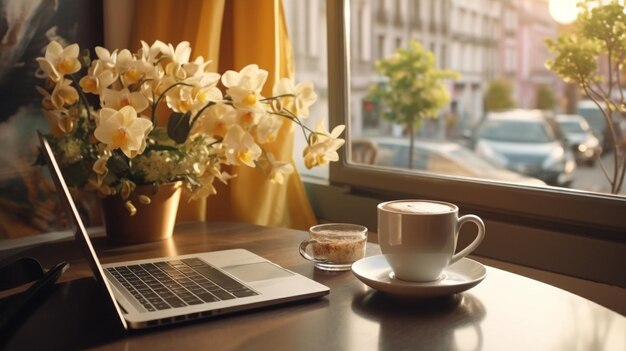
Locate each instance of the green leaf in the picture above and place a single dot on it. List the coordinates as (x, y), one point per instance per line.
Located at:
(178, 126)
(75, 174)
(162, 147)
(159, 136)
(118, 164)
(85, 58)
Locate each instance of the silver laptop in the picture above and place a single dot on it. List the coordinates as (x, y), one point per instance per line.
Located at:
(152, 292)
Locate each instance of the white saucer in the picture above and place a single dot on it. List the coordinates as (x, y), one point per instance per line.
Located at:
(375, 272)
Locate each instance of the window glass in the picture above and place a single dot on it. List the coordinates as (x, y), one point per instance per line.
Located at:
(516, 53)
(499, 53)
(306, 24)
(516, 131)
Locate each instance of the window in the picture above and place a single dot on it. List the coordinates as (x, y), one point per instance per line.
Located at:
(417, 10)
(312, 30)
(381, 46)
(575, 232)
(443, 63)
(579, 210)
(398, 42)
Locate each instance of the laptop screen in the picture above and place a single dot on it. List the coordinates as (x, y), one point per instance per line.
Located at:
(80, 233)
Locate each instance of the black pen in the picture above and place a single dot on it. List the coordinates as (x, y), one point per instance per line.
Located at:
(38, 288)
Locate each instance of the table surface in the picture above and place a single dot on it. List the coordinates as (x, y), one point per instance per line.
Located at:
(504, 312)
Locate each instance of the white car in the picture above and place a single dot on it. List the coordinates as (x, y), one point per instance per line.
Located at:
(525, 142)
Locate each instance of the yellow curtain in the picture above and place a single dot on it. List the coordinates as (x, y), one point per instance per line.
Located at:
(233, 34)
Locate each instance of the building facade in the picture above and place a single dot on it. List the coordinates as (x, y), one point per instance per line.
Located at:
(483, 40)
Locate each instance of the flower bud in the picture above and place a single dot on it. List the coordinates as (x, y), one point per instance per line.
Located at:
(131, 208)
(144, 199)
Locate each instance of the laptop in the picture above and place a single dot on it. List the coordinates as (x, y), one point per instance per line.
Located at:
(152, 292)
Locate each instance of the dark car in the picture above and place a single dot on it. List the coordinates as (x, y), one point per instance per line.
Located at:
(598, 124)
(579, 137)
(525, 142)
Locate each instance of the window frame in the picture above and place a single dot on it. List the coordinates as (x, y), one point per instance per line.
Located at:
(588, 214)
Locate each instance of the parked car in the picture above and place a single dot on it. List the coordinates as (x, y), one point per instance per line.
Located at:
(597, 122)
(592, 114)
(579, 137)
(523, 141)
(443, 157)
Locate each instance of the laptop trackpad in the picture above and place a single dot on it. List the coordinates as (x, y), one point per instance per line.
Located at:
(252, 272)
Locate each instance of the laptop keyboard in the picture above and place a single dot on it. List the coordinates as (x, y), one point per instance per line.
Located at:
(178, 283)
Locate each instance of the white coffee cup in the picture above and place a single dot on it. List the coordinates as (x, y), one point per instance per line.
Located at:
(418, 237)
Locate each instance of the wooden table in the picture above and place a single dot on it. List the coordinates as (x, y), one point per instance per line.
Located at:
(504, 312)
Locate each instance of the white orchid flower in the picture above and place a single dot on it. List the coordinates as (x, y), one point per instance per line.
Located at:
(123, 129)
(116, 99)
(180, 99)
(151, 53)
(130, 69)
(58, 61)
(220, 175)
(323, 146)
(181, 53)
(60, 122)
(248, 119)
(268, 128)
(246, 99)
(179, 56)
(46, 101)
(107, 58)
(98, 78)
(197, 69)
(245, 87)
(204, 95)
(250, 77)
(204, 90)
(208, 79)
(96, 183)
(193, 97)
(156, 87)
(216, 120)
(64, 94)
(240, 147)
(280, 171)
(206, 188)
(303, 96)
(100, 166)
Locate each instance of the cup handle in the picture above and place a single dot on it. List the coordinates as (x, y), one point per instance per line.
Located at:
(474, 244)
(303, 253)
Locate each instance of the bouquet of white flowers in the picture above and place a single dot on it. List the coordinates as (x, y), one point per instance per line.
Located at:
(109, 134)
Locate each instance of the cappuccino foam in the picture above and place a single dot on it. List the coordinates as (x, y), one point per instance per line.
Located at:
(418, 207)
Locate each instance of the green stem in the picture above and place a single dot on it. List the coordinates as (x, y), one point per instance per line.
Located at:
(195, 118)
(277, 97)
(81, 94)
(294, 119)
(297, 121)
(158, 101)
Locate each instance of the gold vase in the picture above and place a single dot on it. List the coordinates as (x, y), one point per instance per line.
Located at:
(152, 222)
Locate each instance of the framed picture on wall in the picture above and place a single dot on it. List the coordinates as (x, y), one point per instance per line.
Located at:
(28, 203)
